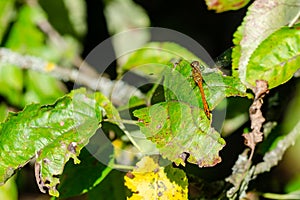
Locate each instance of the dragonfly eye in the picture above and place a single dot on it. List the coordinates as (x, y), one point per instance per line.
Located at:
(195, 64)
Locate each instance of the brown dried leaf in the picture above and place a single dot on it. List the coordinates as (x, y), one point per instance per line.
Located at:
(256, 117)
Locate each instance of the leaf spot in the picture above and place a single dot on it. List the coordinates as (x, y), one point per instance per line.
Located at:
(72, 147)
(159, 194)
(46, 160)
(130, 175)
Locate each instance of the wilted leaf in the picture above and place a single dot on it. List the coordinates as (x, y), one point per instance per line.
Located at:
(263, 18)
(151, 181)
(181, 132)
(276, 59)
(53, 134)
(225, 5)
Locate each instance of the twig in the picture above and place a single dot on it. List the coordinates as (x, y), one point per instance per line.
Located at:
(272, 157)
(59, 41)
(293, 195)
(241, 169)
(121, 167)
(242, 172)
(121, 91)
(294, 20)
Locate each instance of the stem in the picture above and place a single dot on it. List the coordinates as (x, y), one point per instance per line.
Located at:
(294, 20)
(272, 157)
(132, 140)
(281, 196)
(125, 121)
(122, 91)
(125, 167)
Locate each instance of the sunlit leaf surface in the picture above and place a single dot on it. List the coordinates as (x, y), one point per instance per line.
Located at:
(52, 134)
(150, 181)
(263, 18)
(181, 132)
(180, 85)
(276, 59)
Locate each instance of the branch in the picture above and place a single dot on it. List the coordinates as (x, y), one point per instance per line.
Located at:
(59, 40)
(272, 157)
(119, 91)
(242, 174)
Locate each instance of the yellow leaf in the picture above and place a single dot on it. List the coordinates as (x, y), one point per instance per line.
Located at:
(150, 181)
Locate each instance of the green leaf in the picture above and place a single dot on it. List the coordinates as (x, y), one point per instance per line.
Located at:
(3, 112)
(111, 188)
(293, 185)
(9, 191)
(151, 58)
(35, 42)
(225, 5)
(262, 19)
(79, 179)
(27, 38)
(179, 125)
(136, 19)
(179, 85)
(178, 129)
(52, 134)
(110, 111)
(25, 35)
(118, 11)
(6, 14)
(67, 17)
(276, 59)
(77, 15)
(11, 81)
(151, 181)
(42, 88)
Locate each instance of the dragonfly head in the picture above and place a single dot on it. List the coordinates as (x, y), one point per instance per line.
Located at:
(196, 65)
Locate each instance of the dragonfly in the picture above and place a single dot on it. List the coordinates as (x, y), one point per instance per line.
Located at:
(198, 79)
(222, 61)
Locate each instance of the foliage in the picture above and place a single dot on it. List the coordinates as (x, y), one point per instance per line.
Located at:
(44, 125)
(150, 181)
